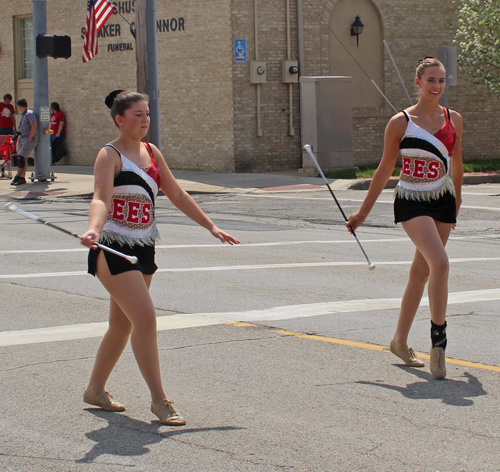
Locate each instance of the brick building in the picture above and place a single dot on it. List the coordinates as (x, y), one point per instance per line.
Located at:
(210, 118)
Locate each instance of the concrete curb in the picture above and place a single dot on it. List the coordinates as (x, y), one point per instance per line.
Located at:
(364, 184)
(78, 182)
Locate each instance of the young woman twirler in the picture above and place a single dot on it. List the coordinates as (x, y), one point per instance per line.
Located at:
(128, 175)
(427, 199)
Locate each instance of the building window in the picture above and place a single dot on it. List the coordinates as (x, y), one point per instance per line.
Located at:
(26, 48)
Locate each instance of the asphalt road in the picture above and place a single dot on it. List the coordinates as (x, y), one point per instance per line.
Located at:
(274, 351)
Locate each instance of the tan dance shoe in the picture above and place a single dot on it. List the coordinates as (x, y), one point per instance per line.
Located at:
(438, 363)
(407, 354)
(103, 399)
(167, 414)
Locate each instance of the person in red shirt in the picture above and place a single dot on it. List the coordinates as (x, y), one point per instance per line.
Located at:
(57, 131)
(7, 116)
(57, 122)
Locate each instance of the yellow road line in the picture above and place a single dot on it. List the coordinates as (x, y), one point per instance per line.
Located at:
(239, 323)
(373, 347)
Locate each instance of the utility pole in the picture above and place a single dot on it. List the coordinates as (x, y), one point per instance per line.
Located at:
(41, 95)
(146, 47)
(140, 47)
(153, 82)
(141, 52)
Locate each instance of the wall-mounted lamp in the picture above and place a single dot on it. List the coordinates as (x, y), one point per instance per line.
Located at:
(357, 29)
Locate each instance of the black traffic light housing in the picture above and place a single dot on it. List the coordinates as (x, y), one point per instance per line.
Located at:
(54, 46)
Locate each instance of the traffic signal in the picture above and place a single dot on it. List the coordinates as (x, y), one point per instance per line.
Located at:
(54, 46)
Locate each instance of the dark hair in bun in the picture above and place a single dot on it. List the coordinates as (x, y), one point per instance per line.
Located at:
(120, 101)
(111, 97)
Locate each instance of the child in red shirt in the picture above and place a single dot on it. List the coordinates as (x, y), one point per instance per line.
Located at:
(7, 116)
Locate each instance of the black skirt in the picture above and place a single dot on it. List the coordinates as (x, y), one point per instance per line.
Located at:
(443, 209)
(118, 265)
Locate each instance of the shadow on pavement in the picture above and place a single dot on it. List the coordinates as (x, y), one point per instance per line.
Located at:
(30, 191)
(125, 436)
(451, 392)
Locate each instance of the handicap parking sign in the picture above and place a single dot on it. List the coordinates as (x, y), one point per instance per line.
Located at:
(240, 50)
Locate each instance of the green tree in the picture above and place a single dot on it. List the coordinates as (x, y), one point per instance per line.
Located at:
(478, 38)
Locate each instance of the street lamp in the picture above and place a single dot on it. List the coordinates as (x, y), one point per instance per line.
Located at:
(357, 29)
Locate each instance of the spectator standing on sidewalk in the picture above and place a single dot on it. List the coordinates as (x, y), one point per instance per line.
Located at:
(27, 141)
(57, 123)
(7, 116)
(57, 132)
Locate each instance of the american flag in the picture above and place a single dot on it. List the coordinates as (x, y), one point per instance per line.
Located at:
(98, 12)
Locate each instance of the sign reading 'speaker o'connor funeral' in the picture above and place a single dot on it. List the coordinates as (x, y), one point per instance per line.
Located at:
(115, 30)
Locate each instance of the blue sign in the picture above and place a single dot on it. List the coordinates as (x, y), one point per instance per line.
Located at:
(240, 50)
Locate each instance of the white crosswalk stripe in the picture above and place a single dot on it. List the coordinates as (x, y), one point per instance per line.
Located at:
(181, 321)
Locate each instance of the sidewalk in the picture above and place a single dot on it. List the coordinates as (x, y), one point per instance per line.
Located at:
(78, 181)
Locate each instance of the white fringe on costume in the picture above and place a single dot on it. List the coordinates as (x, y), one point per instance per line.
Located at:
(405, 191)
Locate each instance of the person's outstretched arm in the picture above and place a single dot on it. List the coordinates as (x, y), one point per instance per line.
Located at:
(185, 203)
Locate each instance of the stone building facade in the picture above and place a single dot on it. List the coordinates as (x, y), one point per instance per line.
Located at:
(210, 119)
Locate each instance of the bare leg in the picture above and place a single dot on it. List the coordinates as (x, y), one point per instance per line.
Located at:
(419, 274)
(429, 263)
(110, 348)
(132, 313)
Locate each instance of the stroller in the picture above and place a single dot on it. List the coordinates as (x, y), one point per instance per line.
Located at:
(7, 153)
